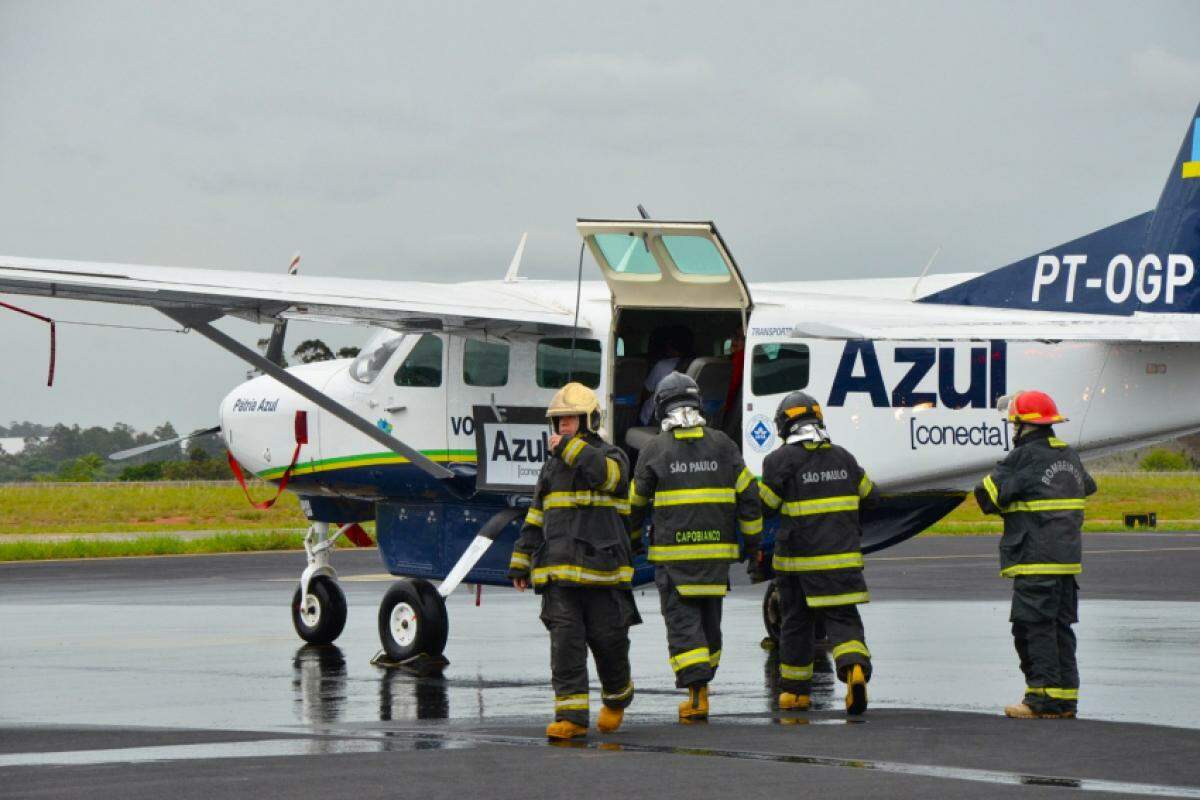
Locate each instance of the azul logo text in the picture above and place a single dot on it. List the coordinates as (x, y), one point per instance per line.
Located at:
(859, 372)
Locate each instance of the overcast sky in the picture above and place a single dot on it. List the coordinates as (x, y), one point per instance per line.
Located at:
(418, 142)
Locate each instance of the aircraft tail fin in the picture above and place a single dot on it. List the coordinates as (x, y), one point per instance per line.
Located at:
(1145, 263)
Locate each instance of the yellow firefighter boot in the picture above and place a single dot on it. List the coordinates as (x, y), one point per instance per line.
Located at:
(789, 701)
(562, 730)
(1022, 711)
(695, 708)
(610, 719)
(856, 690)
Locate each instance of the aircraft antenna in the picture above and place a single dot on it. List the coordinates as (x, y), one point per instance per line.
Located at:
(913, 295)
(575, 327)
(515, 265)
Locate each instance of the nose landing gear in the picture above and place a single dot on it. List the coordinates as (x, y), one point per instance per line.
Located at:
(319, 605)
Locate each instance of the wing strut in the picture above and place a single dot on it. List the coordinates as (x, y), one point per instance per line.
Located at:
(200, 321)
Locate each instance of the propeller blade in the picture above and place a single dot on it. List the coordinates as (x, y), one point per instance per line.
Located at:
(146, 448)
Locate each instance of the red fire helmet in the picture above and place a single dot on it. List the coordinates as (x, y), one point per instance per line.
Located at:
(1032, 408)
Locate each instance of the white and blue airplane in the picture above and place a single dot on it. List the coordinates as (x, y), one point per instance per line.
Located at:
(436, 429)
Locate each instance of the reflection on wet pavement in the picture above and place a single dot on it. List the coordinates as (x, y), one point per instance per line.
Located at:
(231, 667)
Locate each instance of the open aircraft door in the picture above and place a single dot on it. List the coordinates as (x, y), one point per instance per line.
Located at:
(650, 264)
(664, 275)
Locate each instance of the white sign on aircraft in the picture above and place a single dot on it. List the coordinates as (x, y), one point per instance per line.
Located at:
(435, 429)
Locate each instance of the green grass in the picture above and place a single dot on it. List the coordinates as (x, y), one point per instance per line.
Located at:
(150, 546)
(1174, 497)
(141, 508)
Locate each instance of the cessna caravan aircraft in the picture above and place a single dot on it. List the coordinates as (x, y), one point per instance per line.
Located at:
(436, 430)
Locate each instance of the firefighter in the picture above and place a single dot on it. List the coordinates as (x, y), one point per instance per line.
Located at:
(1038, 489)
(703, 497)
(575, 551)
(818, 488)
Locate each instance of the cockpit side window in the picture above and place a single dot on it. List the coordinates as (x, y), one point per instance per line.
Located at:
(485, 363)
(374, 357)
(556, 367)
(422, 367)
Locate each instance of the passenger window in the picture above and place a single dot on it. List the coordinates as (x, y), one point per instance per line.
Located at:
(778, 368)
(485, 363)
(423, 364)
(554, 368)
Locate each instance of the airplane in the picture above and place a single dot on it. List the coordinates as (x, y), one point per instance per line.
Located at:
(436, 430)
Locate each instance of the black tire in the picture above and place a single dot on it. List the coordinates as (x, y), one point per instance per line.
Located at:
(770, 612)
(323, 616)
(412, 620)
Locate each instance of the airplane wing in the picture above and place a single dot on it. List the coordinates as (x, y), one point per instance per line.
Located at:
(897, 320)
(265, 297)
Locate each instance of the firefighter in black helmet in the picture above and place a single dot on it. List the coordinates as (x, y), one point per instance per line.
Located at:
(702, 496)
(575, 550)
(817, 488)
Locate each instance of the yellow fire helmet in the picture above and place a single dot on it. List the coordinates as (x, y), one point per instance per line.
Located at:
(573, 400)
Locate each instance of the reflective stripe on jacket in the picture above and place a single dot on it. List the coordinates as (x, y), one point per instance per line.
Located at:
(575, 532)
(702, 497)
(1038, 489)
(817, 490)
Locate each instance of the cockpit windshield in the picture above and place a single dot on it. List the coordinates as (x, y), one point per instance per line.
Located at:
(374, 357)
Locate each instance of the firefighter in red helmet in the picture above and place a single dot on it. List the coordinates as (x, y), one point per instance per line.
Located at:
(1039, 491)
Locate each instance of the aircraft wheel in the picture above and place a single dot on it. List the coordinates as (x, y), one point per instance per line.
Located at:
(320, 615)
(770, 612)
(412, 620)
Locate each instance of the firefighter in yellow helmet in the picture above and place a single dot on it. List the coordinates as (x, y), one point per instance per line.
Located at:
(1038, 489)
(575, 551)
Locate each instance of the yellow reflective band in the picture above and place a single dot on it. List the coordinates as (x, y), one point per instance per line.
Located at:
(625, 693)
(1034, 506)
(850, 598)
(622, 507)
(582, 500)
(578, 574)
(1063, 694)
(572, 450)
(989, 486)
(571, 702)
(519, 560)
(714, 660)
(750, 527)
(722, 551)
(792, 672)
(534, 517)
(865, 486)
(769, 497)
(1056, 442)
(687, 497)
(817, 563)
(853, 646)
(825, 505)
(612, 475)
(635, 498)
(690, 659)
(1041, 569)
(689, 433)
(744, 480)
(701, 589)
(1036, 691)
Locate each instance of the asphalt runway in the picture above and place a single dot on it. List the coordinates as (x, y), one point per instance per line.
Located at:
(140, 678)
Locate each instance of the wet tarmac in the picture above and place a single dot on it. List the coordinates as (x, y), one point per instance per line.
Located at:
(135, 677)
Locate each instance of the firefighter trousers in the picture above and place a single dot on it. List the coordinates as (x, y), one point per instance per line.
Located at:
(580, 619)
(693, 632)
(1043, 609)
(797, 629)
